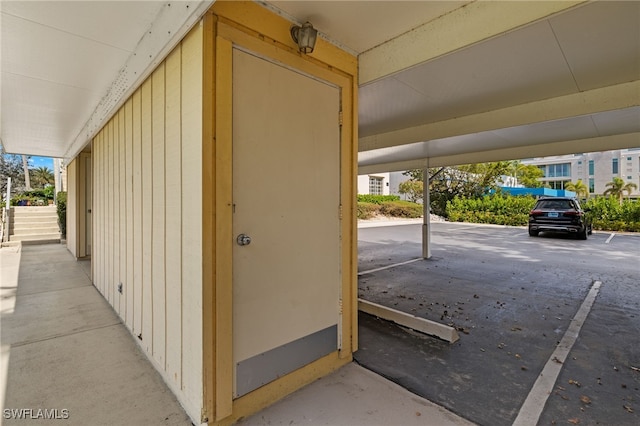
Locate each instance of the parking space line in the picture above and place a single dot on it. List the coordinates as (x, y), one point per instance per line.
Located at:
(613, 234)
(370, 271)
(543, 387)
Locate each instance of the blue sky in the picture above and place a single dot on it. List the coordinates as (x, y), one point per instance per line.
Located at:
(41, 162)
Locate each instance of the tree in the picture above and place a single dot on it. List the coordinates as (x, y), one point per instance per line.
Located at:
(413, 190)
(528, 175)
(11, 167)
(617, 188)
(579, 188)
(467, 181)
(42, 176)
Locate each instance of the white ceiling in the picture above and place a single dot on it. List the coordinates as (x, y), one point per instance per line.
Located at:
(439, 79)
(66, 65)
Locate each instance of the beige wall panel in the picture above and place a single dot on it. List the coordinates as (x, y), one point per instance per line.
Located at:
(115, 238)
(148, 217)
(192, 214)
(95, 215)
(122, 222)
(173, 224)
(101, 221)
(137, 214)
(97, 199)
(128, 285)
(108, 209)
(158, 222)
(72, 206)
(147, 201)
(81, 217)
(113, 223)
(110, 221)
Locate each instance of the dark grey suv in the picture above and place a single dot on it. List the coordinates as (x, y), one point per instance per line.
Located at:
(559, 214)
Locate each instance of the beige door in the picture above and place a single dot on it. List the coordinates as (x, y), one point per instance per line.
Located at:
(286, 224)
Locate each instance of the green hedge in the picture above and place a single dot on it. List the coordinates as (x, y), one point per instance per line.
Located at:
(609, 215)
(377, 199)
(497, 209)
(61, 208)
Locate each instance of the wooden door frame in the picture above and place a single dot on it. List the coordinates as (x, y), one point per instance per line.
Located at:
(227, 34)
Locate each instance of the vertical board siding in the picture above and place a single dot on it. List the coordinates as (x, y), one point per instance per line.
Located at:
(148, 217)
(108, 270)
(173, 210)
(137, 215)
(101, 213)
(191, 113)
(122, 216)
(158, 160)
(147, 178)
(116, 213)
(128, 284)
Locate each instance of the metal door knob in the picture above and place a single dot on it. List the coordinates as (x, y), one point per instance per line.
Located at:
(243, 240)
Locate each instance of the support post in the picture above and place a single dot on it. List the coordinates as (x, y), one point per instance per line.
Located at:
(426, 214)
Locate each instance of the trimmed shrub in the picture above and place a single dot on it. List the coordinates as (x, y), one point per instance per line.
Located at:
(497, 209)
(401, 209)
(377, 199)
(367, 210)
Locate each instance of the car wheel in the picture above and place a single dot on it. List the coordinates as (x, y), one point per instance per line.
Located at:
(582, 235)
(533, 233)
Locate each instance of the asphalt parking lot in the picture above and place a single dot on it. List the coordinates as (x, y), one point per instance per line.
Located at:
(512, 297)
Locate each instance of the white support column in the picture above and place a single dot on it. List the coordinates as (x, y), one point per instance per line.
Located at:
(426, 213)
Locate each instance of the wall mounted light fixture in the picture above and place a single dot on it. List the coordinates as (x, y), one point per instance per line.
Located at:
(304, 36)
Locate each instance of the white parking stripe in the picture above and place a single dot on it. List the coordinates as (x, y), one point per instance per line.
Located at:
(613, 234)
(387, 267)
(543, 387)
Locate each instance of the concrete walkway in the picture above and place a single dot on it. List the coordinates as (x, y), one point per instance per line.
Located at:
(64, 350)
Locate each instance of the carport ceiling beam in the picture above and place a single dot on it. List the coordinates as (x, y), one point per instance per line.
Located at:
(602, 143)
(456, 30)
(609, 98)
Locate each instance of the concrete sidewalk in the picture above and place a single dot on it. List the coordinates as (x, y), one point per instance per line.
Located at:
(65, 350)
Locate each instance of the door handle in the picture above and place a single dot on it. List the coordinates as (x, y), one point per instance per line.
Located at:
(243, 240)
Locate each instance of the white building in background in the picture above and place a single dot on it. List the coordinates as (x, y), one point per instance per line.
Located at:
(381, 183)
(595, 169)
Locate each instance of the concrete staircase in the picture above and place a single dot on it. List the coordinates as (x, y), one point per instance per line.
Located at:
(34, 225)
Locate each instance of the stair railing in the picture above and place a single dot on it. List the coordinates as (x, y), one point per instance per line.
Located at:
(6, 211)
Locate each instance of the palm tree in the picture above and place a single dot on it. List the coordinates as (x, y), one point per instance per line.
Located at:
(617, 188)
(579, 188)
(25, 168)
(42, 176)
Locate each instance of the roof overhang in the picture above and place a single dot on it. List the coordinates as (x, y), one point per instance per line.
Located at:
(446, 82)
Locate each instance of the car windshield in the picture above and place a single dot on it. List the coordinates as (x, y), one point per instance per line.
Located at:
(555, 205)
